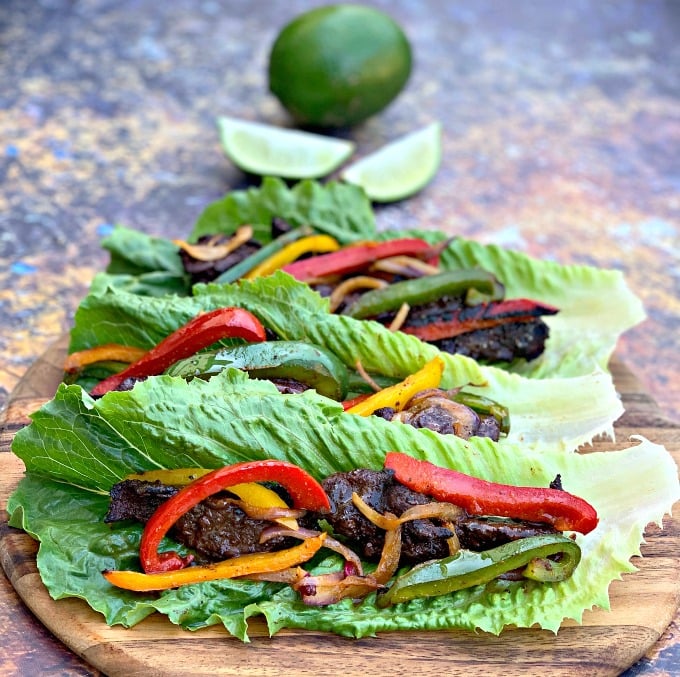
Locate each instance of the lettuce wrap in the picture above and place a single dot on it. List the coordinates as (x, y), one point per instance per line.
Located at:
(596, 306)
(561, 413)
(76, 448)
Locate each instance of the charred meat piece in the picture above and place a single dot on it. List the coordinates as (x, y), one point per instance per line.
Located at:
(422, 539)
(483, 533)
(280, 227)
(137, 500)
(216, 528)
(503, 343)
(207, 271)
(435, 410)
(289, 386)
(125, 385)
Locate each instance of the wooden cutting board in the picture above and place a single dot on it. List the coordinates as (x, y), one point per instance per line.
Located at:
(642, 604)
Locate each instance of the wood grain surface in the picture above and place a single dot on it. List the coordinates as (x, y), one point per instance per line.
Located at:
(643, 604)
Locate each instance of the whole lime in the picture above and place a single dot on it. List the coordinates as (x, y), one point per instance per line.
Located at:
(337, 65)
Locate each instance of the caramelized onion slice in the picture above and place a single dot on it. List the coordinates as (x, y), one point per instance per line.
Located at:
(388, 522)
(352, 284)
(406, 266)
(400, 317)
(446, 512)
(210, 251)
(366, 376)
(330, 542)
(390, 556)
(272, 513)
(331, 588)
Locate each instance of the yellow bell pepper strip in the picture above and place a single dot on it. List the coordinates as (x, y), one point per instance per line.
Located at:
(200, 332)
(109, 351)
(398, 395)
(466, 568)
(292, 252)
(262, 497)
(244, 565)
(359, 256)
(249, 492)
(303, 489)
(563, 510)
(240, 269)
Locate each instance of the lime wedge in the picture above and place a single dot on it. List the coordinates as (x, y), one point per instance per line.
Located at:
(401, 168)
(274, 151)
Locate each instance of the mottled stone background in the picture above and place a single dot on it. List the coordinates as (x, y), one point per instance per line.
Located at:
(561, 122)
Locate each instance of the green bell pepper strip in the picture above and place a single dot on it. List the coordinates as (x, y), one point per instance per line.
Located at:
(304, 362)
(243, 267)
(485, 406)
(466, 568)
(421, 290)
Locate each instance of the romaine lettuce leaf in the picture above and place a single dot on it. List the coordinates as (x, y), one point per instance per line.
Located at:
(133, 252)
(143, 264)
(76, 448)
(338, 209)
(596, 306)
(563, 413)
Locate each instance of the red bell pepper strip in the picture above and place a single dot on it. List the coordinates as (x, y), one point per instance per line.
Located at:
(357, 257)
(348, 404)
(563, 510)
(482, 316)
(200, 332)
(305, 492)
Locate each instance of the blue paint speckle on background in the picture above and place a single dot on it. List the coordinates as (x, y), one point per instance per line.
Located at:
(21, 268)
(61, 154)
(104, 229)
(11, 150)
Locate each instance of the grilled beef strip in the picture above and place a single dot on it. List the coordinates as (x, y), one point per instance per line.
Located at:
(218, 529)
(502, 343)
